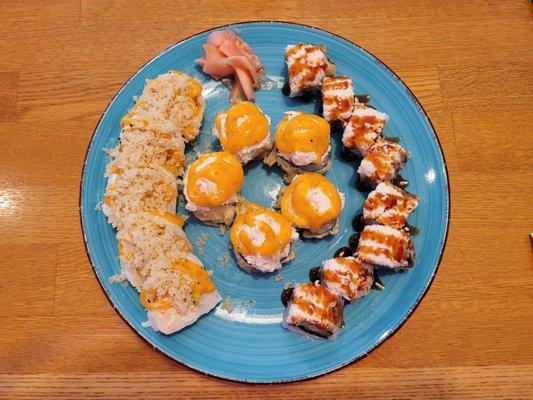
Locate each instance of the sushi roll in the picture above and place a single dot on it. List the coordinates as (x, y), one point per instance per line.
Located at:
(337, 98)
(244, 131)
(313, 204)
(147, 235)
(389, 205)
(141, 148)
(170, 103)
(211, 187)
(307, 66)
(138, 189)
(262, 239)
(348, 277)
(363, 127)
(177, 292)
(387, 247)
(302, 144)
(382, 162)
(313, 311)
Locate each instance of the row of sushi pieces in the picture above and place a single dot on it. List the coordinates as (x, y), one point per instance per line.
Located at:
(311, 71)
(140, 202)
(315, 309)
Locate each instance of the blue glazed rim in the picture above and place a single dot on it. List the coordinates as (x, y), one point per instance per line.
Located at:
(381, 339)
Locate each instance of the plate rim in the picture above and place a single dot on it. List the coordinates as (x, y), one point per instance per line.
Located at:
(382, 339)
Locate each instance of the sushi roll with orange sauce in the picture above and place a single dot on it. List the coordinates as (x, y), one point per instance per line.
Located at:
(382, 162)
(364, 125)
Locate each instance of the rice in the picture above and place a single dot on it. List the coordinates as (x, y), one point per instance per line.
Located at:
(139, 189)
(170, 103)
(140, 148)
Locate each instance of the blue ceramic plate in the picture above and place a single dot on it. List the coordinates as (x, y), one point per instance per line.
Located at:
(249, 344)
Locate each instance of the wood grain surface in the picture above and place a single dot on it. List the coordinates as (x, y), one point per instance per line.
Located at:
(469, 63)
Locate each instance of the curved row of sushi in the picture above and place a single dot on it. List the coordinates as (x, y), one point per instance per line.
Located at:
(315, 309)
(140, 202)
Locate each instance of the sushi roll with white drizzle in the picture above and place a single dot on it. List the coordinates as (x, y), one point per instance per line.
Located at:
(348, 277)
(307, 67)
(139, 189)
(337, 98)
(244, 131)
(313, 311)
(387, 247)
(211, 187)
(389, 205)
(302, 144)
(262, 239)
(364, 125)
(382, 162)
(313, 204)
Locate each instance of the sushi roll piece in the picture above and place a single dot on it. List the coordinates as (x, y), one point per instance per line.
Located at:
(145, 236)
(211, 187)
(170, 103)
(382, 162)
(138, 189)
(348, 277)
(307, 66)
(337, 98)
(262, 239)
(363, 127)
(387, 247)
(389, 205)
(313, 204)
(313, 311)
(177, 292)
(142, 148)
(244, 131)
(302, 144)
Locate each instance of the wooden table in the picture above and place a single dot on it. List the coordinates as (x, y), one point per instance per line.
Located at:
(469, 63)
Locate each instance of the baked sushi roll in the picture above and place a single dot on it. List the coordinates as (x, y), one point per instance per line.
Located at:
(244, 131)
(138, 189)
(382, 162)
(147, 235)
(313, 311)
(389, 205)
(313, 204)
(302, 144)
(337, 98)
(211, 187)
(348, 277)
(387, 247)
(307, 67)
(262, 239)
(170, 103)
(145, 148)
(363, 127)
(177, 292)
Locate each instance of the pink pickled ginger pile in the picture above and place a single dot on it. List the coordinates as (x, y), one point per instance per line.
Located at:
(226, 56)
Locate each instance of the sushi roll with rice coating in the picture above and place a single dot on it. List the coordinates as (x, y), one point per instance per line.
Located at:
(170, 103)
(307, 67)
(389, 205)
(363, 127)
(313, 311)
(337, 98)
(244, 131)
(138, 189)
(211, 187)
(382, 162)
(262, 239)
(348, 277)
(387, 247)
(177, 292)
(145, 148)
